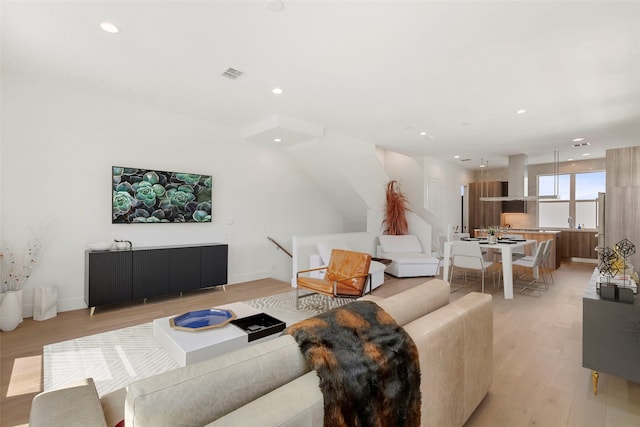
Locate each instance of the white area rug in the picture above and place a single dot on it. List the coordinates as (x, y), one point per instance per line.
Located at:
(115, 359)
(283, 306)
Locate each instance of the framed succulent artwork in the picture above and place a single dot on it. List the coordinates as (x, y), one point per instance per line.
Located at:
(152, 196)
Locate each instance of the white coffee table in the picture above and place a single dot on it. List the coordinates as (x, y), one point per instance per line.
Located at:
(188, 347)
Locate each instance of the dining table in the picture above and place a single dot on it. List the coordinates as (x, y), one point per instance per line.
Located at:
(504, 246)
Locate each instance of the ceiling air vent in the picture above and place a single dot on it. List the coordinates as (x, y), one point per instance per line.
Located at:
(581, 144)
(232, 73)
(465, 160)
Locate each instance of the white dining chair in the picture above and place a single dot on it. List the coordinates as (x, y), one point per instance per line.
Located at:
(546, 261)
(517, 252)
(545, 265)
(468, 256)
(442, 239)
(534, 264)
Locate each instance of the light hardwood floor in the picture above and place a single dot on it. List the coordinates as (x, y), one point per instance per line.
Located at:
(538, 378)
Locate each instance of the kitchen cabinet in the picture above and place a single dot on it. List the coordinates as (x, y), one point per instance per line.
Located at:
(579, 244)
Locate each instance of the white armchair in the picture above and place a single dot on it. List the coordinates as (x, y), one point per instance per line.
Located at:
(408, 259)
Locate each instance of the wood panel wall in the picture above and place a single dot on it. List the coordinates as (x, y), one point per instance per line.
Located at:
(484, 214)
(622, 204)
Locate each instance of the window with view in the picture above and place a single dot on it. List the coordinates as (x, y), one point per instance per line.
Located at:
(577, 201)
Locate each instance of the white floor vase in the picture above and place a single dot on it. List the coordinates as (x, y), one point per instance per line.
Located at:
(11, 310)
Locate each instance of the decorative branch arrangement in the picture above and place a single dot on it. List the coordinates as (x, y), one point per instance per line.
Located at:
(15, 270)
(613, 261)
(396, 210)
(608, 263)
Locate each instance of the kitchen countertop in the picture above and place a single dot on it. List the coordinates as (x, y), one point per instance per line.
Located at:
(536, 230)
(529, 230)
(524, 230)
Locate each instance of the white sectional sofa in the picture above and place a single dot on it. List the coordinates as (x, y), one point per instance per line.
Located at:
(407, 256)
(270, 383)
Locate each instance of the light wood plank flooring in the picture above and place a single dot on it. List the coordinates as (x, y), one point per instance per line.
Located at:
(538, 378)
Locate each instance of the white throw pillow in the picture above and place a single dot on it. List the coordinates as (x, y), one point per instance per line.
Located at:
(325, 248)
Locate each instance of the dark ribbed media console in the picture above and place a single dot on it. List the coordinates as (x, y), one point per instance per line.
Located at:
(117, 276)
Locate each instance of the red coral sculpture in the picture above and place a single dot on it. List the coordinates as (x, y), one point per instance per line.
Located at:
(396, 210)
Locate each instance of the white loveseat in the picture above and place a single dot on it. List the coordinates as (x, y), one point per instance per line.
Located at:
(408, 258)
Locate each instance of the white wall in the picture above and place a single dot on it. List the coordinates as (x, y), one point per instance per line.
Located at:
(449, 178)
(409, 173)
(440, 208)
(349, 173)
(57, 148)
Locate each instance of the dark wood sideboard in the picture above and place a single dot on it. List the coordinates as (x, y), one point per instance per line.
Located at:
(117, 276)
(610, 336)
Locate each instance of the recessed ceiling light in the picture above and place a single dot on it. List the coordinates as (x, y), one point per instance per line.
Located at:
(277, 90)
(482, 165)
(521, 111)
(109, 27)
(569, 160)
(578, 139)
(423, 133)
(277, 140)
(456, 157)
(586, 154)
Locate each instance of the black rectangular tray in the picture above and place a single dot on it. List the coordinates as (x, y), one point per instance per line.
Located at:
(259, 325)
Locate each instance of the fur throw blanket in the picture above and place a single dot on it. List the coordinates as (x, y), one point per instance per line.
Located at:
(368, 366)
